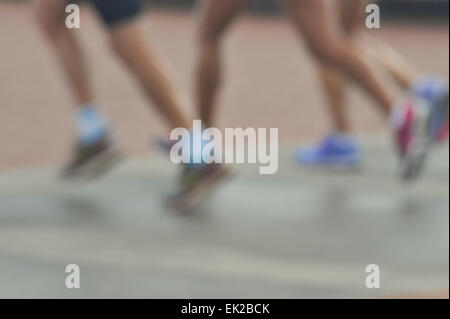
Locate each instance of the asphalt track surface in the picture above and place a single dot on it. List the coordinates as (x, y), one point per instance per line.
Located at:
(298, 234)
(302, 233)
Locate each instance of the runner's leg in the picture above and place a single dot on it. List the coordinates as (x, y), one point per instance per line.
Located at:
(311, 18)
(403, 72)
(94, 143)
(338, 148)
(216, 15)
(50, 15)
(131, 47)
(350, 15)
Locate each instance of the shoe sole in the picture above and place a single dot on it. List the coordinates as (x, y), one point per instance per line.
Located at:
(199, 193)
(427, 138)
(97, 167)
(414, 160)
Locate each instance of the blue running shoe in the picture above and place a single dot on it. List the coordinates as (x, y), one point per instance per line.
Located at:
(162, 145)
(334, 150)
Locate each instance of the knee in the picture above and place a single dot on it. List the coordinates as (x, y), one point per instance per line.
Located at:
(207, 39)
(330, 54)
(127, 41)
(118, 44)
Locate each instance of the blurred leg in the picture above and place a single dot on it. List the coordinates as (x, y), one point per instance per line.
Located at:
(398, 67)
(51, 17)
(131, 47)
(311, 18)
(401, 70)
(350, 17)
(95, 151)
(216, 15)
(334, 88)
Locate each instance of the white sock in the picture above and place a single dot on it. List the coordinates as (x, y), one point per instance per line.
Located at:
(91, 124)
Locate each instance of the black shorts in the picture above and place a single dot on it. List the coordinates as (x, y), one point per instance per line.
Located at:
(114, 12)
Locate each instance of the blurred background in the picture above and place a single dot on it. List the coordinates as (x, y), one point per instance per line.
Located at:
(302, 233)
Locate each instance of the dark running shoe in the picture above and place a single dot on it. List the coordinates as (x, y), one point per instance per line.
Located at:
(92, 160)
(197, 184)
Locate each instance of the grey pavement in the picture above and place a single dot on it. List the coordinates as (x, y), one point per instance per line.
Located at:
(302, 233)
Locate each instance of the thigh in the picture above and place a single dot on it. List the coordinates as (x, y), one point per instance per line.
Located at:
(116, 12)
(216, 15)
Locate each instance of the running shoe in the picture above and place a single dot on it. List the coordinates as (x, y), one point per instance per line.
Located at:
(436, 92)
(163, 145)
(197, 184)
(92, 160)
(411, 122)
(333, 150)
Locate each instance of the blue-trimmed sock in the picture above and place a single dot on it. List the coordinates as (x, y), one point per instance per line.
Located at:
(91, 125)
